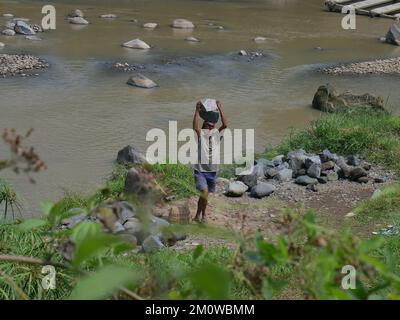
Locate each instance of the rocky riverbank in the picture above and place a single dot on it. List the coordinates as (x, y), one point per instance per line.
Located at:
(21, 64)
(379, 66)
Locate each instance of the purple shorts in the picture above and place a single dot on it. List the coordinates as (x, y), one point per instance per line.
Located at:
(205, 181)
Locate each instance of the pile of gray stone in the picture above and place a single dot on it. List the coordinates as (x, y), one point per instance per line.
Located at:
(299, 167)
(146, 231)
(22, 64)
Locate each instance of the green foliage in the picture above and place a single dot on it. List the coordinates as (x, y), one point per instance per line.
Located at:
(374, 136)
(9, 200)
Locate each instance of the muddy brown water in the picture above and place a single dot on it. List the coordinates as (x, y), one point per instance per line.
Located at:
(83, 112)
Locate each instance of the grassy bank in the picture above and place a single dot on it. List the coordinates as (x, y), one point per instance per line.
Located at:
(375, 137)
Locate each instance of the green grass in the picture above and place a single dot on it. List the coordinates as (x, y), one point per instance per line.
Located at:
(176, 178)
(376, 137)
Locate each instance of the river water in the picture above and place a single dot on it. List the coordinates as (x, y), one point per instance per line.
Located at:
(83, 112)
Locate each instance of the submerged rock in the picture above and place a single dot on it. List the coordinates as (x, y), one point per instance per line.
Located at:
(78, 20)
(136, 44)
(326, 99)
(150, 25)
(192, 39)
(8, 32)
(393, 35)
(182, 24)
(141, 81)
(109, 16)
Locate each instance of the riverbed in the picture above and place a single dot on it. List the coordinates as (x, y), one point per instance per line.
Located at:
(83, 112)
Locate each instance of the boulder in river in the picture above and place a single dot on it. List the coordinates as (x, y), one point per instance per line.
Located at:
(76, 14)
(182, 24)
(136, 44)
(2, 45)
(130, 155)
(141, 81)
(22, 27)
(261, 190)
(327, 99)
(78, 20)
(393, 35)
(150, 25)
(8, 32)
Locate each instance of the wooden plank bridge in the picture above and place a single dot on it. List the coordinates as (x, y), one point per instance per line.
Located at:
(373, 8)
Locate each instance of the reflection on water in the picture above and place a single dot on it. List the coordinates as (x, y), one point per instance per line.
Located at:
(83, 112)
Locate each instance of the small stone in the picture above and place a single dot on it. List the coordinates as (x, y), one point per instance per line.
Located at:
(8, 15)
(136, 44)
(109, 16)
(150, 25)
(2, 45)
(78, 20)
(192, 39)
(130, 155)
(363, 180)
(76, 14)
(312, 187)
(305, 180)
(262, 190)
(278, 160)
(357, 173)
(353, 160)
(249, 180)
(284, 175)
(332, 176)
(376, 194)
(141, 81)
(152, 244)
(350, 214)
(314, 171)
(322, 180)
(182, 24)
(33, 38)
(259, 39)
(242, 53)
(380, 179)
(366, 166)
(271, 173)
(329, 165)
(236, 189)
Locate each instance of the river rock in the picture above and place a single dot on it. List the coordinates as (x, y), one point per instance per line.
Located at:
(329, 165)
(381, 179)
(192, 39)
(236, 189)
(37, 28)
(353, 160)
(305, 180)
(2, 45)
(150, 25)
(70, 222)
(122, 210)
(297, 161)
(278, 160)
(326, 156)
(393, 35)
(33, 38)
(76, 14)
(259, 39)
(332, 176)
(8, 15)
(314, 171)
(182, 24)
(363, 180)
(22, 27)
(271, 173)
(249, 180)
(134, 227)
(152, 244)
(284, 175)
(130, 155)
(242, 53)
(262, 190)
(141, 81)
(136, 44)
(357, 172)
(344, 167)
(8, 32)
(78, 20)
(109, 16)
(326, 99)
(118, 227)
